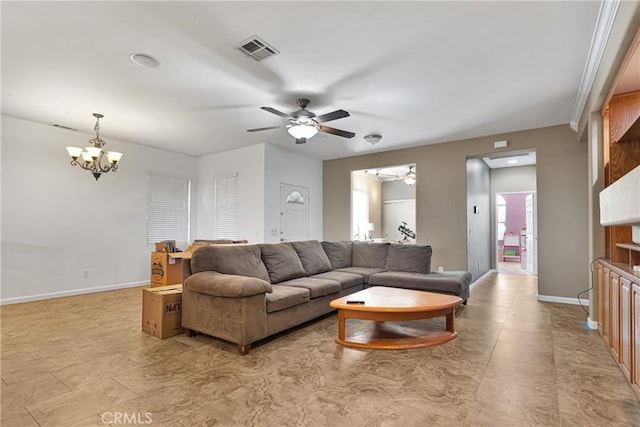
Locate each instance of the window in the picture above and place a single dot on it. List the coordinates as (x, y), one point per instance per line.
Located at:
(501, 216)
(226, 199)
(359, 215)
(168, 209)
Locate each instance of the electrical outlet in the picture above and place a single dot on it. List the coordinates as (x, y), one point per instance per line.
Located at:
(440, 269)
(85, 274)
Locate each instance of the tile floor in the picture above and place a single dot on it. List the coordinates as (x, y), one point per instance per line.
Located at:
(83, 361)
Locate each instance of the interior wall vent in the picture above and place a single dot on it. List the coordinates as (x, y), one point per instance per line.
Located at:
(64, 127)
(257, 48)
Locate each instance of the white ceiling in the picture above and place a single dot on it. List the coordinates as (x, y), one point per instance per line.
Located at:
(415, 72)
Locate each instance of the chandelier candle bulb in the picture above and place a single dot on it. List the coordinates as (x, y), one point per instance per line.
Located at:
(74, 152)
(94, 152)
(114, 157)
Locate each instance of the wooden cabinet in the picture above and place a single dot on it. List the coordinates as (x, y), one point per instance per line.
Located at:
(625, 326)
(604, 302)
(635, 333)
(618, 296)
(614, 315)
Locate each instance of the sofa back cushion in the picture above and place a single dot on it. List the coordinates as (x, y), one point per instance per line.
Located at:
(282, 262)
(313, 258)
(409, 258)
(339, 253)
(230, 259)
(368, 254)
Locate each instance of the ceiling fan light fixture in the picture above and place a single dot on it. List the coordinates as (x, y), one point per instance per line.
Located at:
(410, 177)
(303, 131)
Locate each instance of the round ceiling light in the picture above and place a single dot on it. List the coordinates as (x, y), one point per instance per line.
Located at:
(144, 60)
(373, 138)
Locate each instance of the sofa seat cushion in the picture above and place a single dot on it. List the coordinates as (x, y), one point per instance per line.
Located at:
(369, 254)
(409, 258)
(339, 253)
(230, 259)
(365, 272)
(346, 280)
(313, 257)
(284, 297)
(226, 285)
(282, 262)
(317, 287)
(450, 282)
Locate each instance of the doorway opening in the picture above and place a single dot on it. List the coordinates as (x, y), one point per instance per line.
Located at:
(516, 235)
(383, 200)
(494, 240)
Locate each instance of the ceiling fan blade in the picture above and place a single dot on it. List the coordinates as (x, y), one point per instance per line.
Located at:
(338, 114)
(274, 111)
(334, 131)
(267, 128)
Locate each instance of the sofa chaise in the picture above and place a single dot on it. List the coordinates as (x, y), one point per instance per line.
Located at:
(244, 293)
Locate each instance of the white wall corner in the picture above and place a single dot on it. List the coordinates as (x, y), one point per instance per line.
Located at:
(604, 23)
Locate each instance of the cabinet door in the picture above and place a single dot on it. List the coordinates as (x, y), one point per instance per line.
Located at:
(635, 330)
(606, 306)
(614, 315)
(625, 326)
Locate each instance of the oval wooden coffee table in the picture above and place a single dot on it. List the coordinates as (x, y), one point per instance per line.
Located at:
(382, 304)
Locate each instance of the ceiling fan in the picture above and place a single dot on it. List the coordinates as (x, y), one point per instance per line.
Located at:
(303, 124)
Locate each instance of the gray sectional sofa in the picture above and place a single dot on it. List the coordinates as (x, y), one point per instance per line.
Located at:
(243, 293)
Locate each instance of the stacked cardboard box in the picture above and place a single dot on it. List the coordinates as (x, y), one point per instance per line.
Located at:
(162, 311)
(166, 264)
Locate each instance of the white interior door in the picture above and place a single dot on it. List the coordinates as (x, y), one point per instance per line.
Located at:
(532, 233)
(395, 212)
(294, 213)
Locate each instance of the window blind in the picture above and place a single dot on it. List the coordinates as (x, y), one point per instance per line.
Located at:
(168, 209)
(226, 200)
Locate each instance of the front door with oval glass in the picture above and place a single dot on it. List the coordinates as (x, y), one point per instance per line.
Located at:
(294, 213)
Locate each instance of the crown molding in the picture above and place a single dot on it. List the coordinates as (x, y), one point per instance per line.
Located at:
(606, 16)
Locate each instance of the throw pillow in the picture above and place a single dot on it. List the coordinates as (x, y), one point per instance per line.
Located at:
(339, 253)
(372, 255)
(230, 259)
(313, 258)
(282, 262)
(409, 258)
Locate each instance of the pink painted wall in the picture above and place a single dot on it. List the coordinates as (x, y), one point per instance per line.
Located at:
(516, 212)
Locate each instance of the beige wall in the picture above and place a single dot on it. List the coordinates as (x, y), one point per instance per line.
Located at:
(441, 200)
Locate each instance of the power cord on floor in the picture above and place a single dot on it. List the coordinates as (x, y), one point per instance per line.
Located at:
(593, 280)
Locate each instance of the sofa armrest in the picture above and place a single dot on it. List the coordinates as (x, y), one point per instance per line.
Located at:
(226, 285)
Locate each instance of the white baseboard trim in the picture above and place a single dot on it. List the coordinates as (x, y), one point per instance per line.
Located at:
(563, 300)
(481, 278)
(73, 292)
(592, 324)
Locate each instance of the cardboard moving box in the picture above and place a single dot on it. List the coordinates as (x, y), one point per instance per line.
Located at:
(162, 311)
(166, 268)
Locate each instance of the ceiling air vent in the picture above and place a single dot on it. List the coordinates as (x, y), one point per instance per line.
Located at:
(257, 48)
(64, 127)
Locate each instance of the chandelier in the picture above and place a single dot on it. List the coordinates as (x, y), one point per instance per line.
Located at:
(94, 159)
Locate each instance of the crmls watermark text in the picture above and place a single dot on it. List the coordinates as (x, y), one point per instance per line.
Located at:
(134, 418)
